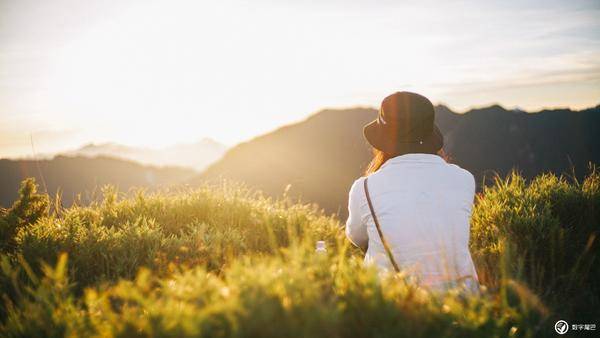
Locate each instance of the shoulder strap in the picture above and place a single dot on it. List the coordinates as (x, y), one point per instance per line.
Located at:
(383, 241)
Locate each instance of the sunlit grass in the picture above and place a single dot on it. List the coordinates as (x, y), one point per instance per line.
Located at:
(543, 233)
(225, 261)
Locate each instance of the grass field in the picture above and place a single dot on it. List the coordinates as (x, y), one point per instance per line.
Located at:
(224, 261)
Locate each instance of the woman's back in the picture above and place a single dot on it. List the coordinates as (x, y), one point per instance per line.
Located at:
(423, 205)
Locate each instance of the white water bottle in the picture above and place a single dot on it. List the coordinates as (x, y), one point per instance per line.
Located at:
(321, 247)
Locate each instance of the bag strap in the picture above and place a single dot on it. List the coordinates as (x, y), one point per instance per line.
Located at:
(383, 241)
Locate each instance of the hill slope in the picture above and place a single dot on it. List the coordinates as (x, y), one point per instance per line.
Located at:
(318, 157)
(75, 175)
(321, 156)
(495, 139)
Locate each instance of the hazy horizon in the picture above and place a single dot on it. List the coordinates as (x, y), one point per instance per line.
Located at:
(69, 150)
(157, 73)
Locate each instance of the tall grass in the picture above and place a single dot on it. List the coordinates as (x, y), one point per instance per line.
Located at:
(227, 262)
(208, 226)
(295, 293)
(544, 234)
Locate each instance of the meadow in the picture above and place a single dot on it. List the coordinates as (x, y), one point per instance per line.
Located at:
(226, 261)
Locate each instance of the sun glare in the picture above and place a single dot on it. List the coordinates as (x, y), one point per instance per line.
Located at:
(155, 73)
(177, 73)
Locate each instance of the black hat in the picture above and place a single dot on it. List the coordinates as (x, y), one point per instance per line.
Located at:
(405, 125)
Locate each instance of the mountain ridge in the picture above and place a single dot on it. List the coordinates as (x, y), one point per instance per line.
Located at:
(197, 155)
(74, 176)
(321, 155)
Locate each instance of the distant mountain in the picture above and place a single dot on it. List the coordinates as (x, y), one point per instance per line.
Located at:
(318, 157)
(196, 155)
(494, 139)
(81, 175)
(321, 156)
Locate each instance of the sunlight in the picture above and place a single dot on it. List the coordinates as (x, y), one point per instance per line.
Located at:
(177, 73)
(346, 168)
(233, 70)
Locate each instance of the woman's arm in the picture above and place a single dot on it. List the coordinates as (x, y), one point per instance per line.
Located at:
(356, 229)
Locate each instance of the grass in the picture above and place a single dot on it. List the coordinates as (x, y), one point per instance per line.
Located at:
(228, 262)
(543, 233)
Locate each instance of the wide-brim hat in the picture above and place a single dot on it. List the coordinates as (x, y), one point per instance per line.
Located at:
(405, 124)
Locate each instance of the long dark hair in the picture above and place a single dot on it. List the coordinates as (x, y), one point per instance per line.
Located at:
(380, 157)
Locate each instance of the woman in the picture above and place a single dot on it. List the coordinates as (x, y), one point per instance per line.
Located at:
(412, 209)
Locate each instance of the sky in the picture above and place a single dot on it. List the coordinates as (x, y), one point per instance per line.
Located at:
(156, 73)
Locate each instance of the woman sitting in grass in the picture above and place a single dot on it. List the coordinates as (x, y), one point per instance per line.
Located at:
(411, 211)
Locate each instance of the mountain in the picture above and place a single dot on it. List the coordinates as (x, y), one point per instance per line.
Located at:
(196, 155)
(82, 175)
(320, 157)
(497, 140)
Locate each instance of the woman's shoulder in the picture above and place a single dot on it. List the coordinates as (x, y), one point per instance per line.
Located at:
(358, 185)
(462, 174)
(357, 192)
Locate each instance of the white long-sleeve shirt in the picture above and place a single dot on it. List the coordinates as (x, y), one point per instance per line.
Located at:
(423, 205)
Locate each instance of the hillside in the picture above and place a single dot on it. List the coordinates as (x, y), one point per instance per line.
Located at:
(227, 262)
(321, 156)
(195, 156)
(494, 139)
(82, 175)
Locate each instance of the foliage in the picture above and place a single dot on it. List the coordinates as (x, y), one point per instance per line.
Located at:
(30, 207)
(544, 234)
(209, 227)
(224, 261)
(293, 293)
